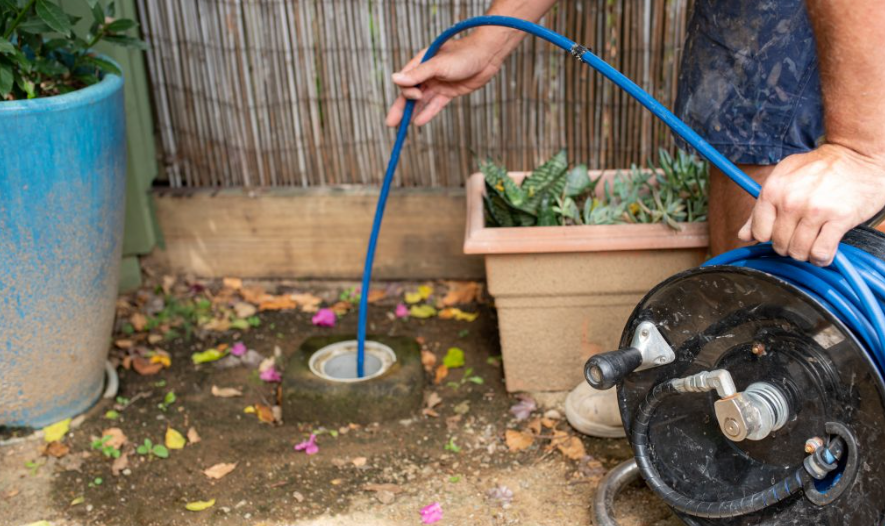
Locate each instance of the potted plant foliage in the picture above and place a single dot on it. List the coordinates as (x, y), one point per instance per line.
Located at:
(569, 253)
(62, 177)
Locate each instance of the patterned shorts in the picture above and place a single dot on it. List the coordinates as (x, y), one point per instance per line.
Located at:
(749, 81)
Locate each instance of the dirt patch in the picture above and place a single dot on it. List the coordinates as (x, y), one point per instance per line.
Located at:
(381, 473)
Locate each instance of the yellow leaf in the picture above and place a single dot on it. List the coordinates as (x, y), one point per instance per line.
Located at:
(162, 359)
(174, 439)
(199, 505)
(458, 314)
(422, 311)
(79, 500)
(39, 523)
(413, 297)
(209, 355)
(56, 431)
(249, 410)
(425, 291)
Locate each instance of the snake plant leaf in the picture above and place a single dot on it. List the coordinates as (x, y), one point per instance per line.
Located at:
(546, 214)
(547, 179)
(497, 179)
(498, 210)
(578, 181)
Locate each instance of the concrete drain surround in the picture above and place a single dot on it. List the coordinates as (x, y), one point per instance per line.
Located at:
(337, 362)
(320, 383)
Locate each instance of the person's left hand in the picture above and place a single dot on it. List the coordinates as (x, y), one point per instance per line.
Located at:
(812, 199)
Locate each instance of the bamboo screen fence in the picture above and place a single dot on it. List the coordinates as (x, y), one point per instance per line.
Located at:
(294, 92)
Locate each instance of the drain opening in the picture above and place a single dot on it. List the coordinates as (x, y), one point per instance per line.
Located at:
(337, 362)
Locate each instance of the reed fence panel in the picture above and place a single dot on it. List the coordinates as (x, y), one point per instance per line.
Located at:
(262, 93)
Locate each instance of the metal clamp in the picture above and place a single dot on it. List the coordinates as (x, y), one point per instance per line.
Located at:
(654, 348)
(578, 51)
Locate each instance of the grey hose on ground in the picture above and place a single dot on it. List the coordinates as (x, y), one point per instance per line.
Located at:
(611, 485)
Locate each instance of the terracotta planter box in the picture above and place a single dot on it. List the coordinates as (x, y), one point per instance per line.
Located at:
(564, 293)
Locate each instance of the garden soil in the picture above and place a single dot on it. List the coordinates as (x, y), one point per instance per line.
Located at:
(457, 452)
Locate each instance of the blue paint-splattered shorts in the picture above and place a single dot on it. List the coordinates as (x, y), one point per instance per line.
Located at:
(749, 81)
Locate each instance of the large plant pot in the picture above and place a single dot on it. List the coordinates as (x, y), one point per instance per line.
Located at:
(563, 293)
(62, 182)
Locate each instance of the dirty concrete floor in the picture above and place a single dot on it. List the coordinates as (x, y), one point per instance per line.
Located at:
(380, 474)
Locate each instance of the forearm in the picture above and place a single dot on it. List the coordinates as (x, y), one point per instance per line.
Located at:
(504, 40)
(851, 52)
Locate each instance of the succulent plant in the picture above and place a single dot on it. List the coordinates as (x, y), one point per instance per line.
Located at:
(672, 192)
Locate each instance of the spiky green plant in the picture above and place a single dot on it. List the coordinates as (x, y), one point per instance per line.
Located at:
(672, 192)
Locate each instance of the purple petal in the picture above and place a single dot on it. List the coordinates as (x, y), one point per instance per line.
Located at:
(309, 446)
(270, 375)
(238, 349)
(523, 409)
(324, 318)
(431, 513)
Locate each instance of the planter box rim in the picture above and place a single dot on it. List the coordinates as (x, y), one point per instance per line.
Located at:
(106, 87)
(480, 239)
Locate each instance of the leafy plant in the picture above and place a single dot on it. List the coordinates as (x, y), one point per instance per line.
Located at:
(673, 192)
(45, 52)
(105, 448)
(168, 400)
(149, 448)
(468, 376)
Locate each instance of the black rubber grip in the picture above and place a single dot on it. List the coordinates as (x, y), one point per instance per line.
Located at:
(606, 370)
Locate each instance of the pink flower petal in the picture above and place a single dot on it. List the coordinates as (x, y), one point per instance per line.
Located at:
(324, 318)
(402, 311)
(431, 513)
(270, 375)
(238, 349)
(309, 446)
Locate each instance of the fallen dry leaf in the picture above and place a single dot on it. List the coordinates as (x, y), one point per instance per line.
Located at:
(55, 449)
(451, 313)
(548, 423)
(138, 321)
(225, 392)
(429, 412)
(572, 448)
(518, 440)
(117, 440)
(428, 360)
(120, 463)
(192, 436)
(277, 303)
(461, 292)
(359, 461)
(253, 294)
(341, 308)
(376, 295)
(233, 283)
(308, 302)
(432, 400)
(244, 310)
(441, 372)
(124, 344)
(219, 470)
(146, 367)
(154, 339)
(535, 426)
(265, 414)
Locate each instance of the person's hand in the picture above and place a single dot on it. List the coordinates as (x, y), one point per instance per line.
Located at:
(460, 67)
(810, 200)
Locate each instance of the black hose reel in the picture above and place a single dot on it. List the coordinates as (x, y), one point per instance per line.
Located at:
(748, 403)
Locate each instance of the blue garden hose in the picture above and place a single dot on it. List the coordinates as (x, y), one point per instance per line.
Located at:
(853, 287)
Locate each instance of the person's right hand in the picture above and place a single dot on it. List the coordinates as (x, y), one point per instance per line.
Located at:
(460, 67)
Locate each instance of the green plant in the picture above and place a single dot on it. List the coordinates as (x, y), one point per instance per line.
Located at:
(468, 376)
(149, 448)
(673, 192)
(168, 400)
(45, 52)
(105, 448)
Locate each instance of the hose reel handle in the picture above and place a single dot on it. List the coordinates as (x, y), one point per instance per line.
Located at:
(608, 369)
